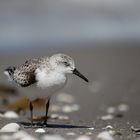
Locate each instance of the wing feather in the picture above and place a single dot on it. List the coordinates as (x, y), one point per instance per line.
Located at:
(24, 75)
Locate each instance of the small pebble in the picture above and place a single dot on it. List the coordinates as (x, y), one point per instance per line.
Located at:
(71, 134)
(40, 130)
(52, 137)
(91, 128)
(63, 117)
(107, 117)
(70, 108)
(119, 115)
(84, 137)
(104, 136)
(11, 127)
(123, 107)
(11, 114)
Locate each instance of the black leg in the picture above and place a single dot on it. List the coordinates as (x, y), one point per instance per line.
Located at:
(47, 108)
(31, 111)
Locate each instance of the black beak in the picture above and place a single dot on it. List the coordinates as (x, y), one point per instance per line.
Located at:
(76, 72)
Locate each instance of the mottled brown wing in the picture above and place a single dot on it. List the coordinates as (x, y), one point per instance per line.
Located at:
(25, 79)
(29, 79)
(24, 74)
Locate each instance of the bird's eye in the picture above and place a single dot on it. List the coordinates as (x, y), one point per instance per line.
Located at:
(66, 64)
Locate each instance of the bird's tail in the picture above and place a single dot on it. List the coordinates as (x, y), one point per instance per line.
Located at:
(9, 72)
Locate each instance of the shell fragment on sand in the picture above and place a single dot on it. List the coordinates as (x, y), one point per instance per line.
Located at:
(108, 127)
(10, 127)
(11, 114)
(104, 136)
(71, 134)
(107, 117)
(91, 128)
(70, 108)
(40, 130)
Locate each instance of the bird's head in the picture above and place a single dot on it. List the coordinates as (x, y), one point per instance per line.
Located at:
(65, 64)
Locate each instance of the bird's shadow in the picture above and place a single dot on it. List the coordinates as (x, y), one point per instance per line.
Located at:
(38, 125)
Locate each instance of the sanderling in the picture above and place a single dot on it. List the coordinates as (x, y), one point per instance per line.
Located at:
(48, 73)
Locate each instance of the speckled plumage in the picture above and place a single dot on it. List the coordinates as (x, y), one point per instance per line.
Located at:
(24, 75)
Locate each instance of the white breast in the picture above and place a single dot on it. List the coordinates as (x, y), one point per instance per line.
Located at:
(51, 82)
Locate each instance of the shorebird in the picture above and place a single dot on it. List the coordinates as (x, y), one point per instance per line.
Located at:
(49, 74)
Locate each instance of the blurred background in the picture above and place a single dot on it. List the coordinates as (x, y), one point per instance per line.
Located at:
(103, 36)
